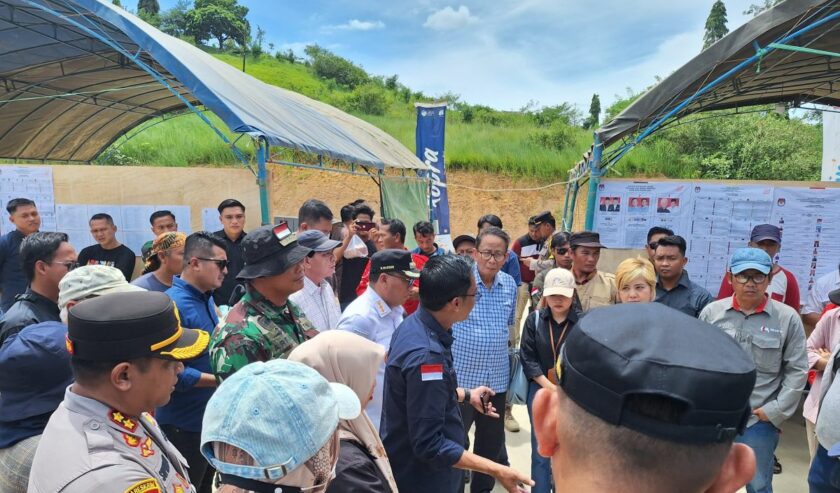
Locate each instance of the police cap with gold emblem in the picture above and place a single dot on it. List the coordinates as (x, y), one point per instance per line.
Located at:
(271, 250)
(394, 262)
(619, 356)
(125, 326)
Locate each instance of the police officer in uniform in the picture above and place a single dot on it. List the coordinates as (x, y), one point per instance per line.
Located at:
(421, 423)
(648, 400)
(126, 353)
(264, 324)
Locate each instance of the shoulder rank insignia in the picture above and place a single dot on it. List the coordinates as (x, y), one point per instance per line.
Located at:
(146, 486)
(146, 448)
(122, 420)
(131, 440)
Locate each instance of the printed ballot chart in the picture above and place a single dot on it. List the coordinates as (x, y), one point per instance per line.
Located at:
(34, 183)
(716, 219)
(132, 221)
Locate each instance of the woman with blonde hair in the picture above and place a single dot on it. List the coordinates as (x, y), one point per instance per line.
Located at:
(636, 281)
(346, 358)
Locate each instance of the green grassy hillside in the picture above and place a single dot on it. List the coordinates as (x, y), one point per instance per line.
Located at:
(511, 143)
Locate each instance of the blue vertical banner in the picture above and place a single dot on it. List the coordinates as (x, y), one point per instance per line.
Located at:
(431, 129)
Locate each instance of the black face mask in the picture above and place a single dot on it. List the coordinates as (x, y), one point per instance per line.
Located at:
(254, 485)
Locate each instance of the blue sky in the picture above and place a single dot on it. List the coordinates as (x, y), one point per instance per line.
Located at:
(500, 53)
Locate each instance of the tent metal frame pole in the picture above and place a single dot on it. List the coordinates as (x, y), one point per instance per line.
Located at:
(262, 180)
(595, 174)
(759, 54)
(148, 69)
(564, 226)
(574, 201)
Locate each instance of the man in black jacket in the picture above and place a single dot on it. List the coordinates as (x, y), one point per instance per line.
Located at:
(46, 258)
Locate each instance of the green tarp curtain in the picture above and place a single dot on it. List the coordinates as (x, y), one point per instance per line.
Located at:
(406, 199)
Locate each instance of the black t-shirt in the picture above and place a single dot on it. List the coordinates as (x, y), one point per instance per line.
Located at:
(121, 257)
(223, 294)
(351, 274)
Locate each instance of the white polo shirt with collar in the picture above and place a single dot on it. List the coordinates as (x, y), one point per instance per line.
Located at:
(370, 317)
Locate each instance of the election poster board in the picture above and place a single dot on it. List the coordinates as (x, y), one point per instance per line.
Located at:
(716, 219)
(34, 183)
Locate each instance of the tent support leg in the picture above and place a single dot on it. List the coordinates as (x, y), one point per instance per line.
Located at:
(576, 186)
(565, 225)
(594, 181)
(262, 181)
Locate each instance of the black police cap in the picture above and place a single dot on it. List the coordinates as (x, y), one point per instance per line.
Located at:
(393, 261)
(649, 349)
(131, 325)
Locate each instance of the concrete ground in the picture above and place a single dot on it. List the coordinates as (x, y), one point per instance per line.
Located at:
(792, 453)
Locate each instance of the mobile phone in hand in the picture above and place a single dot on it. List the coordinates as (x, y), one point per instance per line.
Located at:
(364, 226)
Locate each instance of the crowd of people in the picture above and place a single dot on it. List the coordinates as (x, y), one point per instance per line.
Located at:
(331, 358)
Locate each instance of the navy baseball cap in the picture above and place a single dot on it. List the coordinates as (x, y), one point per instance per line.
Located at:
(317, 241)
(766, 232)
(36, 371)
(618, 355)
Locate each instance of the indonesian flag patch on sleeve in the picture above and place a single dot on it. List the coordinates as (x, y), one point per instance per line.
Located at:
(431, 372)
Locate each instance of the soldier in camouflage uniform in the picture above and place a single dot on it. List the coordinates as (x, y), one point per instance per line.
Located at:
(264, 324)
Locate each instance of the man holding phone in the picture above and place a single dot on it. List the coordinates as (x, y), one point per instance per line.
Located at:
(421, 422)
(355, 259)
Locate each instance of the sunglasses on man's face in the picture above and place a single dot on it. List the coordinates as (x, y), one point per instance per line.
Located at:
(220, 262)
(561, 250)
(653, 244)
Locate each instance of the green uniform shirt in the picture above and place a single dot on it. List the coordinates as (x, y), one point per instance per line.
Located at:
(256, 330)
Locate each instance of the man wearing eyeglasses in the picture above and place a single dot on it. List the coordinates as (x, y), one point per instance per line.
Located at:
(772, 334)
(377, 313)
(205, 267)
(480, 350)
(46, 258)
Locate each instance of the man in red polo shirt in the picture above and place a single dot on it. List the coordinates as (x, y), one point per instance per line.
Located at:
(783, 286)
(391, 234)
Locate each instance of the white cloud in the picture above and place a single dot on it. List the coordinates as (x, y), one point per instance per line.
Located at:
(357, 25)
(448, 19)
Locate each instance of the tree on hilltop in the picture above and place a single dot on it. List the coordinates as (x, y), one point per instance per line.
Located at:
(151, 7)
(221, 20)
(594, 113)
(715, 24)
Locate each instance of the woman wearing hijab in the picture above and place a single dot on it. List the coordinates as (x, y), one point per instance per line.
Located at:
(349, 359)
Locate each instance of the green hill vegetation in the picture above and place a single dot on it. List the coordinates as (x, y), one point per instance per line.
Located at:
(540, 142)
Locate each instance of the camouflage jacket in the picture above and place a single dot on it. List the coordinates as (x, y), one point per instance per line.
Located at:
(256, 330)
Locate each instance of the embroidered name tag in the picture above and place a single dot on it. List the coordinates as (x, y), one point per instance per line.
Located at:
(431, 372)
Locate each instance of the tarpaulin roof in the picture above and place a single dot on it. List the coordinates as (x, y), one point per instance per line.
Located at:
(780, 75)
(72, 81)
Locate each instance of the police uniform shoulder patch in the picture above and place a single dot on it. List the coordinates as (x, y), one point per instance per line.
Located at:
(122, 420)
(131, 440)
(145, 486)
(146, 448)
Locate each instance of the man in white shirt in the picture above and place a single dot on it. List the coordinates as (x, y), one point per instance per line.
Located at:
(378, 311)
(317, 298)
(818, 297)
